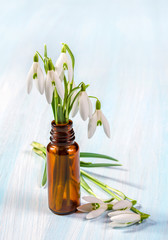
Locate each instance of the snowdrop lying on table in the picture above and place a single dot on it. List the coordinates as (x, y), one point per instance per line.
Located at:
(121, 216)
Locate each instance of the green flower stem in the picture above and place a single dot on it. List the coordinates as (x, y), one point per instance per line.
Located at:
(71, 85)
(86, 186)
(93, 97)
(100, 184)
(55, 105)
(103, 186)
(108, 187)
(143, 215)
(72, 91)
(70, 107)
(66, 92)
(40, 56)
(70, 53)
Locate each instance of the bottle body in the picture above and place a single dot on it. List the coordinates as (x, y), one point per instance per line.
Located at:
(63, 170)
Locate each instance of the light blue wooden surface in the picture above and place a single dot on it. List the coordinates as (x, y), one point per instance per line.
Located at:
(121, 50)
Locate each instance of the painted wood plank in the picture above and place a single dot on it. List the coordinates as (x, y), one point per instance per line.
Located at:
(121, 51)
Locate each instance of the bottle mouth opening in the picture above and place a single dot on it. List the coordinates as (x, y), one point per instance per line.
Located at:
(62, 134)
(59, 125)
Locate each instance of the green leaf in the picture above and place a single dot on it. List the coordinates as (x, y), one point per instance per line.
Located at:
(87, 163)
(44, 179)
(70, 53)
(107, 201)
(37, 145)
(39, 152)
(99, 165)
(96, 155)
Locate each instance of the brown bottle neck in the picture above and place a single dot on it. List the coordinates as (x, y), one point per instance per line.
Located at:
(62, 134)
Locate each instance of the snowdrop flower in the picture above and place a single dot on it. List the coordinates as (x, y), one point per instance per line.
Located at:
(35, 73)
(96, 206)
(123, 218)
(52, 81)
(97, 119)
(83, 104)
(123, 204)
(64, 62)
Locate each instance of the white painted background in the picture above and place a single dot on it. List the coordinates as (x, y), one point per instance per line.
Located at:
(121, 50)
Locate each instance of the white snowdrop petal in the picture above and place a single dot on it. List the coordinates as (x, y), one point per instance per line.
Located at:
(49, 88)
(90, 107)
(85, 207)
(83, 105)
(126, 218)
(92, 199)
(115, 213)
(75, 107)
(35, 67)
(40, 82)
(120, 225)
(95, 213)
(114, 201)
(70, 70)
(36, 83)
(92, 125)
(117, 225)
(64, 58)
(30, 80)
(61, 76)
(59, 85)
(106, 125)
(69, 65)
(59, 64)
(122, 204)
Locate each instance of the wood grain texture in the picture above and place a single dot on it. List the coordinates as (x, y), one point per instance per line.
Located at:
(121, 50)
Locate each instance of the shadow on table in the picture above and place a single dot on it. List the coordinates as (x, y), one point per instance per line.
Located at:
(140, 227)
(116, 180)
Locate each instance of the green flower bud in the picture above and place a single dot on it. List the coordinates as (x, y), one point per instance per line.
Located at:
(45, 50)
(63, 50)
(98, 105)
(35, 58)
(50, 64)
(83, 87)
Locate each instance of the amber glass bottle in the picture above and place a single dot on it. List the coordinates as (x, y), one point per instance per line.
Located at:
(63, 169)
